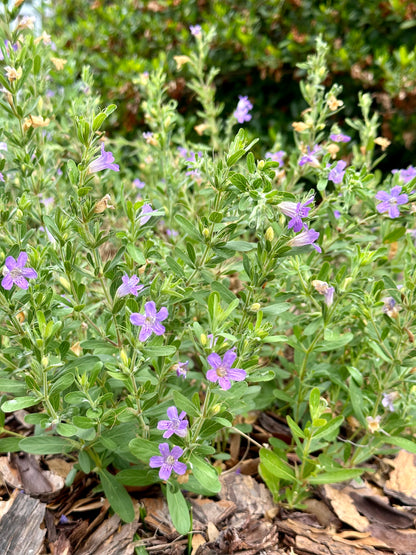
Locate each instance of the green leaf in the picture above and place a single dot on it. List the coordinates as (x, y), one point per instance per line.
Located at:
(10, 444)
(19, 403)
(188, 227)
(329, 428)
(205, 474)
(276, 466)
(143, 449)
(251, 164)
(12, 386)
(335, 343)
(175, 267)
(233, 158)
(117, 496)
(333, 476)
(275, 309)
(73, 172)
(178, 509)
(136, 254)
(137, 477)
(183, 403)
(403, 443)
(46, 445)
(296, 431)
(314, 403)
(159, 350)
(241, 246)
(394, 235)
(225, 294)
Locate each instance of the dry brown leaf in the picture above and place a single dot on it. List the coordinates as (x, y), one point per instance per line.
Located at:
(197, 541)
(402, 481)
(345, 508)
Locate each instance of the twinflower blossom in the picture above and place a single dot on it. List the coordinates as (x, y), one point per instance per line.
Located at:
(336, 174)
(130, 286)
(196, 30)
(16, 273)
(150, 320)
(324, 289)
(103, 162)
(305, 237)
(168, 461)
(243, 108)
(310, 157)
(391, 201)
(221, 370)
(177, 423)
(296, 211)
(340, 138)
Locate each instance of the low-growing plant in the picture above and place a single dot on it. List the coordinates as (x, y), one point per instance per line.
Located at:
(147, 306)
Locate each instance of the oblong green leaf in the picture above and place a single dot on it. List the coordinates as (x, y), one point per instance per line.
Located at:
(276, 466)
(178, 509)
(19, 403)
(117, 496)
(334, 476)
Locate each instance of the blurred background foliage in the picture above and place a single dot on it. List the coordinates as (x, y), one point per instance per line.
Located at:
(257, 47)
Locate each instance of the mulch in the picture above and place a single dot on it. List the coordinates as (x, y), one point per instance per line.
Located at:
(373, 516)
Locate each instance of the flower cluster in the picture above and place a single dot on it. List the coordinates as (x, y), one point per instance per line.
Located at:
(244, 106)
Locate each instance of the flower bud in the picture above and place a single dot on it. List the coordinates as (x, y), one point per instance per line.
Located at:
(269, 235)
(45, 362)
(255, 307)
(260, 164)
(205, 232)
(203, 339)
(124, 357)
(63, 281)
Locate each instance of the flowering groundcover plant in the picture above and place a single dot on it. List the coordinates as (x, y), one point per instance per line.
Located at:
(281, 282)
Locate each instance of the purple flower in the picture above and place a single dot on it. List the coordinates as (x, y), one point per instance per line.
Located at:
(221, 370)
(340, 138)
(129, 286)
(390, 307)
(146, 213)
(16, 273)
(181, 368)
(388, 400)
(336, 174)
(168, 461)
(324, 289)
(195, 30)
(175, 425)
(305, 237)
(182, 151)
(390, 201)
(242, 111)
(337, 214)
(63, 519)
(139, 184)
(171, 233)
(103, 162)
(310, 157)
(150, 320)
(3, 146)
(406, 175)
(276, 156)
(296, 211)
(1, 177)
(212, 340)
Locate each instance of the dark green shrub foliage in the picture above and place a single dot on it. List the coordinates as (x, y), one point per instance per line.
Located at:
(257, 47)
